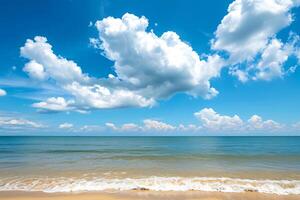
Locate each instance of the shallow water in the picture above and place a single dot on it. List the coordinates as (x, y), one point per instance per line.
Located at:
(64, 164)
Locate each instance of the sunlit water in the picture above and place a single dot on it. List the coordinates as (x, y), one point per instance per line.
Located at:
(80, 164)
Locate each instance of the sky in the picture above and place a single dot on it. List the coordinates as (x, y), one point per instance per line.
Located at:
(150, 67)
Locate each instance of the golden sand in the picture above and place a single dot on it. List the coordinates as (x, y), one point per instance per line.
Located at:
(145, 195)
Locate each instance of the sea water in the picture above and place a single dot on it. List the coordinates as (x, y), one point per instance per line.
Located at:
(83, 164)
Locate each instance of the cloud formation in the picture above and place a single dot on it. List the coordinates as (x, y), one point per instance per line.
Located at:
(69, 127)
(150, 124)
(99, 97)
(10, 123)
(211, 120)
(248, 34)
(155, 66)
(86, 92)
(66, 126)
(257, 123)
(147, 126)
(44, 64)
(215, 122)
(150, 68)
(54, 104)
(2, 92)
(249, 25)
(272, 59)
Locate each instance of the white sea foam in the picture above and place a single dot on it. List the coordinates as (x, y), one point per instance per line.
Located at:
(52, 185)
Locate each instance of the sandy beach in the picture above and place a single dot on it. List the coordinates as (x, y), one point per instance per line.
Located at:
(141, 195)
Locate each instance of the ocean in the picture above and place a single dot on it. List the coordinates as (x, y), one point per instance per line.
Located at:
(88, 164)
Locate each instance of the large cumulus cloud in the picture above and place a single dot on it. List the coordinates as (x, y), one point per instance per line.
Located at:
(147, 68)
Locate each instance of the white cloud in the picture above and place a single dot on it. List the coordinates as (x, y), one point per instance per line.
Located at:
(81, 129)
(240, 74)
(147, 126)
(35, 70)
(249, 24)
(128, 127)
(155, 66)
(95, 43)
(148, 69)
(44, 63)
(154, 125)
(54, 105)
(257, 123)
(18, 123)
(270, 64)
(213, 121)
(97, 96)
(2, 92)
(111, 126)
(90, 128)
(272, 59)
(66, 126)
(248, 34)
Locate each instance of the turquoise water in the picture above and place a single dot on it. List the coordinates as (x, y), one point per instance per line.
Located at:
(90, 163)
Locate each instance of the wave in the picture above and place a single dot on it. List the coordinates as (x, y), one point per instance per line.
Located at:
(63, 184)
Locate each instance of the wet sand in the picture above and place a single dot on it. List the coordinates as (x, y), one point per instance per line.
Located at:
(145, 195)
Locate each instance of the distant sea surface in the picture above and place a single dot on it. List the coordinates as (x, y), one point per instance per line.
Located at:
(89, 164)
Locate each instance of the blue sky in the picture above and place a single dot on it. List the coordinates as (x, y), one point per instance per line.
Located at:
(149, 67)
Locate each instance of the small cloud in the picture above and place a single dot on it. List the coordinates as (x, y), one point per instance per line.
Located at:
(2, 92)
(95, 43)
(11, 123)
(150, 124)
(212, 120)
(54, 104)
(90, 128)
(66, 126)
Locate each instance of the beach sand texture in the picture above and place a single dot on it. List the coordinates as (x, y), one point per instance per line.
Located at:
(146, 195)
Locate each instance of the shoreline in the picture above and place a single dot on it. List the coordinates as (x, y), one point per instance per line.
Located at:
(149, 184)
(157, 168)
(147, 195)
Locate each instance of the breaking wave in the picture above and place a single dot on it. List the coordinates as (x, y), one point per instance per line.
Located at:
(54, 185)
